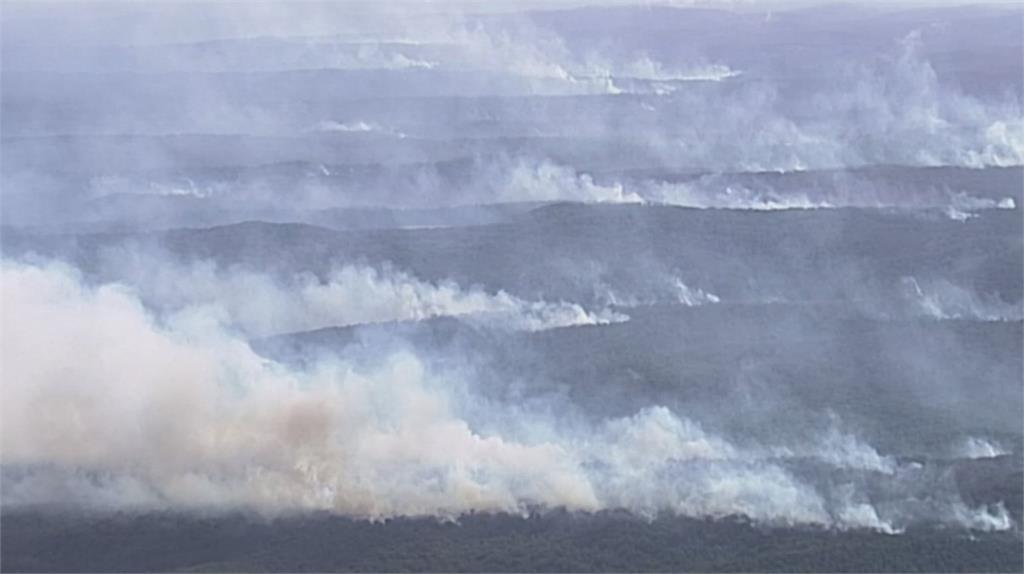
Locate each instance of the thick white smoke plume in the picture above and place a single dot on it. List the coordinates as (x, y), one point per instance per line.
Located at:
(260, 304)
(107, 405)
(646, 68)
(547, 181)
(137, 381)
(978, 447)
(524, 180)
(543, 60)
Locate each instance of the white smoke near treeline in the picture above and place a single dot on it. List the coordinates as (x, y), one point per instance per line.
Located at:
(978, 447)
(504, 179)
(107, 405)
(260, 304)
(941, 299)
(134, 383)
(889, 111)
(632, 108)
(892, 110)
(716, 192)
(546, 181)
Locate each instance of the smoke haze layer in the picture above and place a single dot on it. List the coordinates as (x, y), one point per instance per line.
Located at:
(394, 265)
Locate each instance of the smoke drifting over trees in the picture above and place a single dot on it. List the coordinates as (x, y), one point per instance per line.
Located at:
(600, 263)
